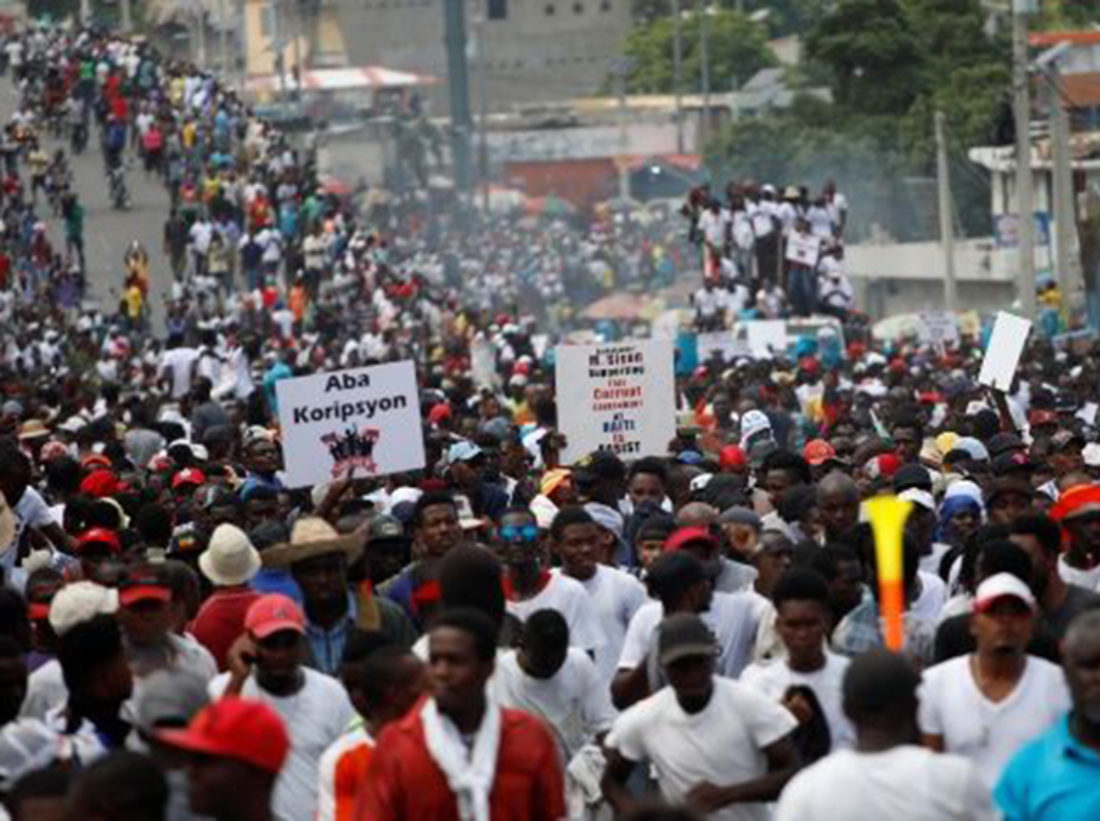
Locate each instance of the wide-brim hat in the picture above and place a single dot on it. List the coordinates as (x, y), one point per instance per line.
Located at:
(7, 525)
(310, 537)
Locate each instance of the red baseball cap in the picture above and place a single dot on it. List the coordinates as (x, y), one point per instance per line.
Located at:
(732, 457)
(237, 728)
(884, 465)
(686, 535)
(143, 586)
(188, 476)
(271, 613)
(1041, 416)
(99, 535)
(93, 460)
(439, 412)
(818, 452)
(101, 483)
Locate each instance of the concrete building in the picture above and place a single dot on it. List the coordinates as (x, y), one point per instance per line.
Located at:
(532, 50)
(1079, 70)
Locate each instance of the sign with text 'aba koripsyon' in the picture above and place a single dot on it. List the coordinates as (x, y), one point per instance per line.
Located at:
(349, 424)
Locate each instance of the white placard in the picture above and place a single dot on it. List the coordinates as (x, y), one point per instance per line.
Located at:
(803, 249)
(354, 423)
(723, 343)
(938, 328)
(1006, 344)
(483, 363)
(619, 397)
(767, 337)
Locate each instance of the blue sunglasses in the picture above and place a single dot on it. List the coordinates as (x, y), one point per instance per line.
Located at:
(527, 533)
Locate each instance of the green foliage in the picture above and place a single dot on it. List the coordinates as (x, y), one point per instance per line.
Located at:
(890, 64)
(737, 47)
(874, 52)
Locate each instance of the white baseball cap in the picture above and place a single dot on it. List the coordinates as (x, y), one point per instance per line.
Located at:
(80, 602)
(919, 497)
(999, 586)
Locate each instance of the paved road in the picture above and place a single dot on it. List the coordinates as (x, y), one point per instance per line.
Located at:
(108, 232)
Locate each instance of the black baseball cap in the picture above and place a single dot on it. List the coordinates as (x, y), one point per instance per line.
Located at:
(684, 635)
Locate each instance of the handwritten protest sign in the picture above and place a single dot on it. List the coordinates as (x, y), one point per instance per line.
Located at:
(803, 249)
(619, 397)
(1002, 355)
(767, 337)
(938, 328)
(722, 343)
(354, 423)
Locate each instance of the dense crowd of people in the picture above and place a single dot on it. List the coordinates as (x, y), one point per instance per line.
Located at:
(769, 253)
(502, 634)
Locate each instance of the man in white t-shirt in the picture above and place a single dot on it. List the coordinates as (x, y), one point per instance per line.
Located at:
(177, 365)
(715, 745)
(28, 507)
(683, 585)
(558, 683)
(886, 776)
(264, 665)
(711, 304)
(801, 601)
(529, 587)
(1078, 512)
(988, 704)
(617, 595)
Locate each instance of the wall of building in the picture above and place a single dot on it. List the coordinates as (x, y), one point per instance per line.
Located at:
(903, 277)
(538, 50)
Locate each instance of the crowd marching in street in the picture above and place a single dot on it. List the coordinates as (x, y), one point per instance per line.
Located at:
(505, 634)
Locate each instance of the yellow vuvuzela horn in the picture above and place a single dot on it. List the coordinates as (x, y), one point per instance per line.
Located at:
(888, 514)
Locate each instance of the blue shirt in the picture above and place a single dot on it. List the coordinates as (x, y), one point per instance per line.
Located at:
(1053, 778)
(327, 646)
(277, 580)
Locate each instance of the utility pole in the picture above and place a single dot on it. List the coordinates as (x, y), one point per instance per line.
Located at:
(481, 48)
(278, 43)
(1070, 282)
(1025, 209)
(947, 230)
(124, 16)
(455, 34)
(677, 60)
(620, 69)
(299, 80)
(223, 40)
(704, 60)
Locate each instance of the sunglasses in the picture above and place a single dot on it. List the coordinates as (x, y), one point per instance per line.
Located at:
(527, 533)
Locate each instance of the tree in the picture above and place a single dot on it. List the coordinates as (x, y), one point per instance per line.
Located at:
(737, 50)
(875, 55)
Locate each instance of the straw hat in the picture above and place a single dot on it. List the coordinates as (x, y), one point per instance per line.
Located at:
(33, 429)
(229, 559)
(310, 537)
(7, 524)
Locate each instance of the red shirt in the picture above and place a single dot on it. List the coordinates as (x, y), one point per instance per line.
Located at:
(405, 784)
(220, 620)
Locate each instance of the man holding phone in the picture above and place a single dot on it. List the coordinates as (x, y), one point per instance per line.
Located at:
(265, 665)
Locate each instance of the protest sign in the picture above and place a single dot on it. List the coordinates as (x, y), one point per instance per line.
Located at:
(803, 249)
(723, 343)
(483, 363)
(1002, 354)
(937, 328)
(767, 337)
(619, 397)
(354, 423)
